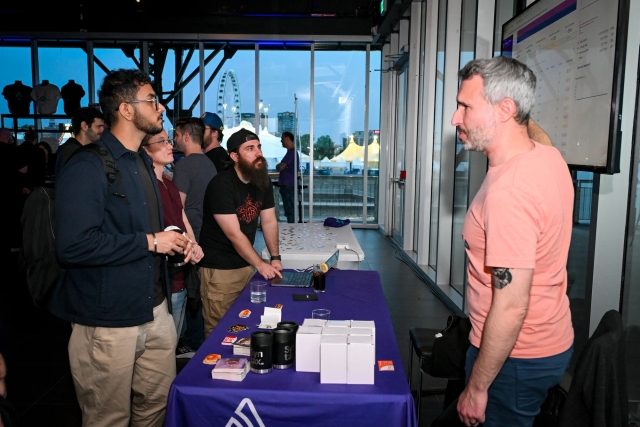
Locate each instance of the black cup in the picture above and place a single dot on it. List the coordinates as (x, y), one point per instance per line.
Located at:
(176, 260)
(261, 352)
(284, 341)
(289, 324)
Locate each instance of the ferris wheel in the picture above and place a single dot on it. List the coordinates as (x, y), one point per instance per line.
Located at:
(229, 106)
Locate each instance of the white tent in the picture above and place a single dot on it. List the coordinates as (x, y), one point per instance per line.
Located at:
(271, 146)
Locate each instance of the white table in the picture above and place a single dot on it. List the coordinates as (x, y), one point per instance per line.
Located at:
(302, 245)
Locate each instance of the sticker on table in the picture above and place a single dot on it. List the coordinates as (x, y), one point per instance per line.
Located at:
(244, 314)
(278, 306)
(211, 359)
(237, 328)
(385, 365)
(229, 340)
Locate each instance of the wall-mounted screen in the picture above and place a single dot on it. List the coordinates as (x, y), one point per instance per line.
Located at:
(576, 50)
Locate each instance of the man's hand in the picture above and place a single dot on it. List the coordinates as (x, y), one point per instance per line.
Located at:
(170, 243)
(269, 271)
(472, 405)
(277, 264)
(196, 253)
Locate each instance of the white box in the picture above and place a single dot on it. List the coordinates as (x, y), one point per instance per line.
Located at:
(360, 350)
(365, 324)
(365, 332)
(335, 330)
(308, 348)
(339, 323)
(314, 322)
(333, 359)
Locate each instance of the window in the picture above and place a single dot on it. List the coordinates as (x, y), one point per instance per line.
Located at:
(339, 139)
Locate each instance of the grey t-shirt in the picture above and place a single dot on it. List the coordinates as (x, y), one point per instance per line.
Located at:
(192, 175)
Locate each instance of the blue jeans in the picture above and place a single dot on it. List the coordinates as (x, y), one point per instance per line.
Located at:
(286, 192)
(178, 303)
(520, 388)
(193, 328)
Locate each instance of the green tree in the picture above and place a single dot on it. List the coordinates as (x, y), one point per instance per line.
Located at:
(304, 143)
(324, 147)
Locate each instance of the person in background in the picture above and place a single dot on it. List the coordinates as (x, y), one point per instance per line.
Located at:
(12, 168)
(35, 161)
(192, 175)
(517, 234)
(213, 128)
(49, 158)
(87, 124)
(287, 178)
(233, 202)
(159, 148)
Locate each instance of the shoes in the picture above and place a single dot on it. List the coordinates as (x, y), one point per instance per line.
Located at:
(184, 352)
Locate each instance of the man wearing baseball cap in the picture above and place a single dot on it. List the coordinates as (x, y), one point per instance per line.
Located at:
(233, 201)
(213, 128)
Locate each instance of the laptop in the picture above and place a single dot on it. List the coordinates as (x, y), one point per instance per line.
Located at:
(302, 279)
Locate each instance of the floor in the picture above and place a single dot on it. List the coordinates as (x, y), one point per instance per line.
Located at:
(34, 343)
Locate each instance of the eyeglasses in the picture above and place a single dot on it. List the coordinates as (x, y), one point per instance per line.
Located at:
(163, 141)
(135, 101)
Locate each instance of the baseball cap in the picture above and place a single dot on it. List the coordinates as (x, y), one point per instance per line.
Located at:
(212, 120)
(239, 138)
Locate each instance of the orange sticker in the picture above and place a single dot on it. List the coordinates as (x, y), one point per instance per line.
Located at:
(278, 306)
(385, 365)
(211, 359)
(245, 313)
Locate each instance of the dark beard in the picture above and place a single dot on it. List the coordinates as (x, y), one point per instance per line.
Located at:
(145, 125)
(258, 176)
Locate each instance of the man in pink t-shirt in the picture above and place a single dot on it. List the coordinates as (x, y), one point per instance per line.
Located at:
(516, 234)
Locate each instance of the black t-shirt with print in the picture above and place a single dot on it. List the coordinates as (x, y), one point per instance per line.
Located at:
(226, 194)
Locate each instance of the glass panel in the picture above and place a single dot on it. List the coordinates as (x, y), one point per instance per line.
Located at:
(66, 68)
(285, 77)
(577, 263)
(112, 58)
(505, 9)
(19, 71)
(339, 132)
(631, 293)
(437, 137)
(461, 183)
(374, 136)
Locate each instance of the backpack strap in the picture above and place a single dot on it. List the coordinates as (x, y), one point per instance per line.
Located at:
(109, 165)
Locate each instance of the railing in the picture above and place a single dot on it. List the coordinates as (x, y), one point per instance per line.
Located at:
(339, 196)
(584, 190)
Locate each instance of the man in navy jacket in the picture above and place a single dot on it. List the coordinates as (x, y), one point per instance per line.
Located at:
(114, 292)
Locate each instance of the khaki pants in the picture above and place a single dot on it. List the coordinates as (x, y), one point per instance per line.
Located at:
(219, 289)
(122, 375)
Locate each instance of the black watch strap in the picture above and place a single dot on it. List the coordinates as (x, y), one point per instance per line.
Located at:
(276, 257)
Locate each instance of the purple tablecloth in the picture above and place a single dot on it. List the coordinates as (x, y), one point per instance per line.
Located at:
(290, 398)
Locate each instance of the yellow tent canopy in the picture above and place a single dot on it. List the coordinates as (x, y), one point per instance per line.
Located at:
(354, 151)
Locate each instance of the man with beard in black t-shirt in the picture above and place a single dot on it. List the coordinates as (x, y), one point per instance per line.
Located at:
(233, 201)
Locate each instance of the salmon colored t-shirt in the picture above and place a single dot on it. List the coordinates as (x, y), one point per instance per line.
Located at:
(522, 218)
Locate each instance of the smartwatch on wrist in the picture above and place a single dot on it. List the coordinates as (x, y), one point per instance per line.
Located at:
(276, 258)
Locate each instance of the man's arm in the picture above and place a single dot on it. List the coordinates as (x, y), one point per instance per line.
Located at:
(537, 133)
(270, 231)
(231, 228)
(511, 288)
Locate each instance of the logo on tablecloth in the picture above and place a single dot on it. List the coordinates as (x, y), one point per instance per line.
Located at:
(256, 421)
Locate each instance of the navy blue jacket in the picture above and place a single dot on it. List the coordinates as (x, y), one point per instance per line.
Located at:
(101, 241)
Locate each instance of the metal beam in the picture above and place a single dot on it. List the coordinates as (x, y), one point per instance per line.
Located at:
(183, 69)
(192, 75)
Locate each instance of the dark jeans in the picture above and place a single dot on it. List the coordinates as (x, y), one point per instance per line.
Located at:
(193, 328)
(286, 192)
(520, 388)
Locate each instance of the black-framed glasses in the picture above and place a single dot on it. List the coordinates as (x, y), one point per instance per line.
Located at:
(162, 141)
(154, 100)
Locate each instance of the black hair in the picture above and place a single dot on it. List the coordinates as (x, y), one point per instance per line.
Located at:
(193, 126)
(84, 114)
(120, 86)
